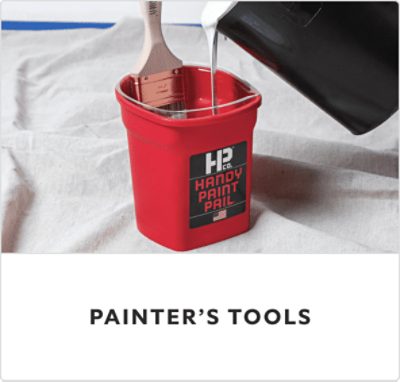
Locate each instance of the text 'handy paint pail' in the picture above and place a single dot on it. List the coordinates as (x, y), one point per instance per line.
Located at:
(191, 172)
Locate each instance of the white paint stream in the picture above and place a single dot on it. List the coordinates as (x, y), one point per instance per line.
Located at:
(212, 13)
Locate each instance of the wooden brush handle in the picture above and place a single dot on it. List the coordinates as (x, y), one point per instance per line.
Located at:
(151, 11)
(155, 56)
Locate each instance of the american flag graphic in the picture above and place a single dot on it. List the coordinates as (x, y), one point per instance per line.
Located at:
(219, 215)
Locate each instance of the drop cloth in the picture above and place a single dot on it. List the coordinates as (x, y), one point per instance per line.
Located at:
(66, 183)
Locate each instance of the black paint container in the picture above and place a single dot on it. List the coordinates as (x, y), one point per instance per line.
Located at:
(343, 56)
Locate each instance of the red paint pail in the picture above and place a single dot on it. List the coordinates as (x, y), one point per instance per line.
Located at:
(191, 170)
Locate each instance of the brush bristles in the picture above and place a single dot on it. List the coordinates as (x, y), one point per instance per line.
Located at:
(174, 110)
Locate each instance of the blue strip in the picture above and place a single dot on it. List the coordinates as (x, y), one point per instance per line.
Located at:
(49, 25)
(187, 25)
(56, 25)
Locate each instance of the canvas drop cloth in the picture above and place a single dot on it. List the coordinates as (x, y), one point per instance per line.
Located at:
(66, 183)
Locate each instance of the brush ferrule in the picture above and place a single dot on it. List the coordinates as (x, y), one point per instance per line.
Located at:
(159, 89)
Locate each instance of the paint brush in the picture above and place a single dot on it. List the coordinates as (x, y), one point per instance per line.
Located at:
(158, 74)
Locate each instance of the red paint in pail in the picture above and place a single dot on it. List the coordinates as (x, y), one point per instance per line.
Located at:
(192, 176)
